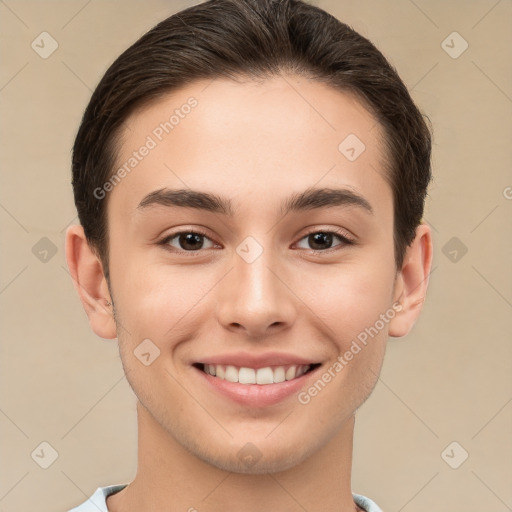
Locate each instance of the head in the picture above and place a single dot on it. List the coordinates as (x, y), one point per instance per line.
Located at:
(269, 107)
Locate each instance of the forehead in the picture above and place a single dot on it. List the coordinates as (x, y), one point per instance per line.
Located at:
(251, 138)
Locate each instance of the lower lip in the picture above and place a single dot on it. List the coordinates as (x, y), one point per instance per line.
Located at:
(256, 395)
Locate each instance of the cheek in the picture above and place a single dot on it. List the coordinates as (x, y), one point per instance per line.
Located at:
(348, 298)
(158, 301)
(355, 311)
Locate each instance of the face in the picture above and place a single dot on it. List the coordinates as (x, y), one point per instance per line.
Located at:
(266, 275)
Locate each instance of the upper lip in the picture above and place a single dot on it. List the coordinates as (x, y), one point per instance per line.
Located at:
(247, 360)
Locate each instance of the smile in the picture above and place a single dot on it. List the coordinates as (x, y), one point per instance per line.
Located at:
(260, 385)
(262, 376)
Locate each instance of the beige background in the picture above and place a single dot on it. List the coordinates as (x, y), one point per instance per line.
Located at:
(449, 380)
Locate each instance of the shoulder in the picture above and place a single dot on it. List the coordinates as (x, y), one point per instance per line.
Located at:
(366, 503)
(97, 502)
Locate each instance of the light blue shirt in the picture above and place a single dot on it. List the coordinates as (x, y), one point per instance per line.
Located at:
(98, 501)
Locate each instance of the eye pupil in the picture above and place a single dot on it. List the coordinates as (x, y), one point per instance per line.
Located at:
(187, 241)
(320, 238)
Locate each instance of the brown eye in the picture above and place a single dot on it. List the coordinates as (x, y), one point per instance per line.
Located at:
(323, 240)
(187, 241)
(320, 240)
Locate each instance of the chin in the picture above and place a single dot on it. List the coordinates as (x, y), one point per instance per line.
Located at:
(250, 461)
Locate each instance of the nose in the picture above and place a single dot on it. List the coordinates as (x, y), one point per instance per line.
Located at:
(254, 298)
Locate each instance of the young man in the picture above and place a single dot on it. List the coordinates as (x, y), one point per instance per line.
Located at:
(250, 178)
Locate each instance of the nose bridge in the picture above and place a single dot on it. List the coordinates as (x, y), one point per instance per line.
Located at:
(253, 297)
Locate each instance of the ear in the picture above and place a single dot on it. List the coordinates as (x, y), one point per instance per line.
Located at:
(90, 283)
(412, 281)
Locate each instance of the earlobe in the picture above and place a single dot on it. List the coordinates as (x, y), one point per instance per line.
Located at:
(412, 282)
(90, 283)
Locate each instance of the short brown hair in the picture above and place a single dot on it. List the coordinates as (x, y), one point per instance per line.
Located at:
(259, 39)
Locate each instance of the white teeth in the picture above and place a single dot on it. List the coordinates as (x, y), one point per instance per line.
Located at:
(231, 374)
(290, 373)
(246, 376)
(279, 374)
(301, 370)
(265, 376)
(220, 371)
(262, 376)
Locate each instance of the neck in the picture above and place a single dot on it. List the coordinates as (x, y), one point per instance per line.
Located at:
(170, 478)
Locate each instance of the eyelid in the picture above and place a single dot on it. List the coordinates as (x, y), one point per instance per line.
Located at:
(338, 231)
(346, 238)
(198, 231)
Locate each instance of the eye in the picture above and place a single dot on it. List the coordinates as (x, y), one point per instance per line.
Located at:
(193, 241)
(188, 241)
(320, 241)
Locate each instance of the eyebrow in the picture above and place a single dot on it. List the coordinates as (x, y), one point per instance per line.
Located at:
(309, 199)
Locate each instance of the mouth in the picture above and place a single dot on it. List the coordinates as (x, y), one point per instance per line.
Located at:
(260, 376)
(255, 380)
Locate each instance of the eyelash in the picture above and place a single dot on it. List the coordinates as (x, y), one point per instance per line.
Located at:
(340, 234)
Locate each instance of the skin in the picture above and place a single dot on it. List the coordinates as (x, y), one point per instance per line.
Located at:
(254, 143)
